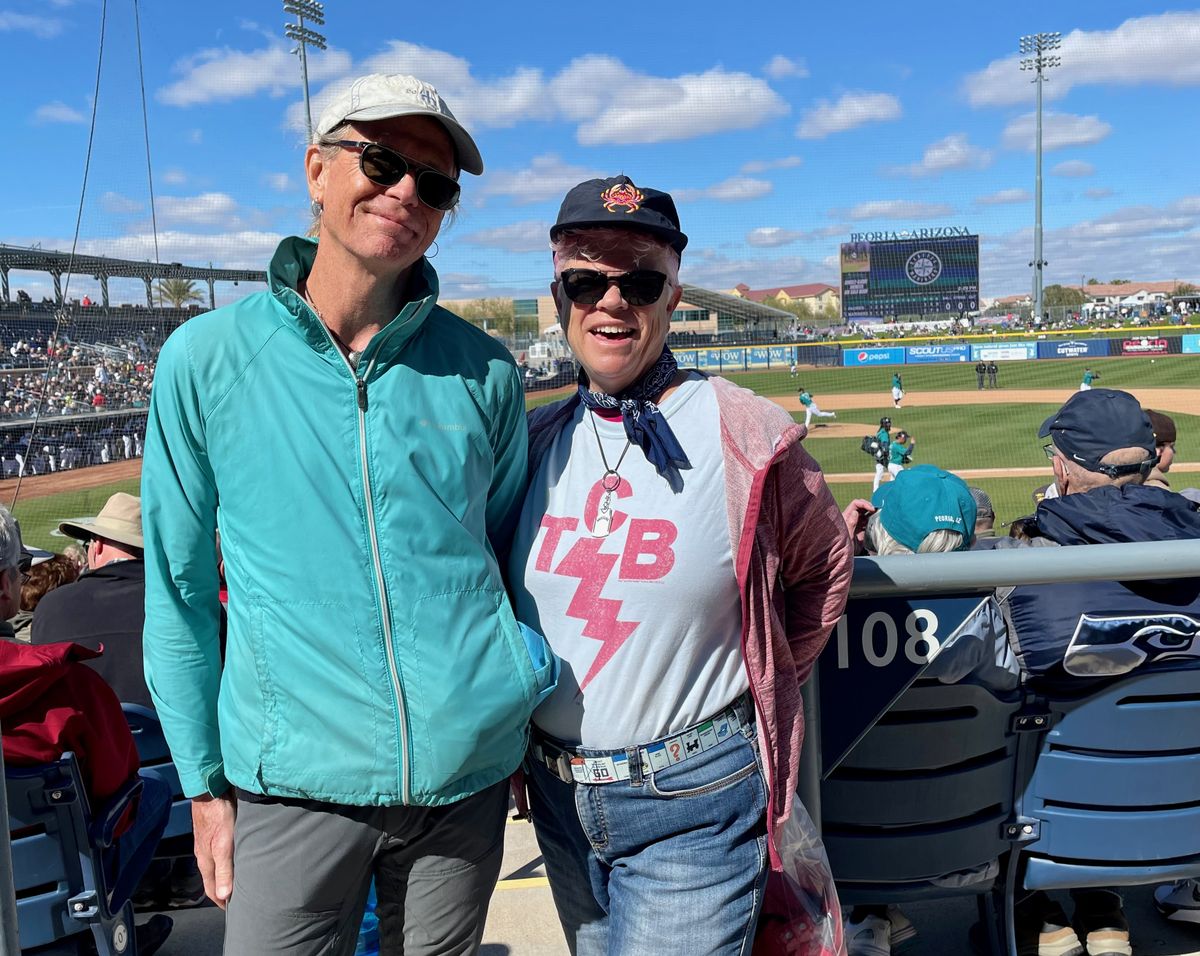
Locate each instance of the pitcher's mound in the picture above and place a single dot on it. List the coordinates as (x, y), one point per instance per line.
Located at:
(828, 428)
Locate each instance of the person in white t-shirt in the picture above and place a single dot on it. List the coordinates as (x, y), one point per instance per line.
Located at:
(686, 561)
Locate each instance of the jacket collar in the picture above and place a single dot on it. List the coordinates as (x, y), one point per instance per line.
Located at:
(293, 261)
(1108, 515)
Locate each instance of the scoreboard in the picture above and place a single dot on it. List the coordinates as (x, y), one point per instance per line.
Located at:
(910, 277)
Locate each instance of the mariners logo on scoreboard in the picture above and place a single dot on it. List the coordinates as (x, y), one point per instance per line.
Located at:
(923, 267)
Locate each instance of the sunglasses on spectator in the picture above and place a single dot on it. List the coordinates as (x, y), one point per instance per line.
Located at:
(589, 286)
(385, 167)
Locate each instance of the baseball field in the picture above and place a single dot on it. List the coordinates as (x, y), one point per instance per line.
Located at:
(988, 437)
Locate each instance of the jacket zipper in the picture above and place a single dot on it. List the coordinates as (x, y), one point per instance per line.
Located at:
(360, 389)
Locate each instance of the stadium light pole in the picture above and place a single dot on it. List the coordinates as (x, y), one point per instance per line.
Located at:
(1035, 48)
(312, 12)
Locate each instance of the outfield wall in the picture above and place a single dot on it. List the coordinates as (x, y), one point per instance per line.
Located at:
(758, 358)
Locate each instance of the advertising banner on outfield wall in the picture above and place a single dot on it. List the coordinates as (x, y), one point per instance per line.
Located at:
(779, 354)
(1073, 348)
(892, 356)
(686, 358)
(1004, 352)
(1145, 345)
(1191, 344)
(924, 354)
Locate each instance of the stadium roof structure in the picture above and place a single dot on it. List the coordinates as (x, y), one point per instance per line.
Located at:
(103, 268)
(742, 311)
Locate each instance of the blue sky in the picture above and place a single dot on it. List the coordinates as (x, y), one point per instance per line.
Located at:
(779, 128)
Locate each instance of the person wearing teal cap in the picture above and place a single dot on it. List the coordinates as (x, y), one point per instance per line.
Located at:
(922, 510)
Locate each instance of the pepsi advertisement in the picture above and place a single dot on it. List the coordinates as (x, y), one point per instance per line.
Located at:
(860, 357)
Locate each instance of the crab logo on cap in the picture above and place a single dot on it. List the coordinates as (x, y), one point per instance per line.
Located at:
(623, 194)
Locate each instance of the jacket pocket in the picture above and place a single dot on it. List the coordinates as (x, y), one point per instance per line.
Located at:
(472, 677)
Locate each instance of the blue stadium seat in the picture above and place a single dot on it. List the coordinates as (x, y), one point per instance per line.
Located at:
(156, 758)
(57, 847)
(1114, 796)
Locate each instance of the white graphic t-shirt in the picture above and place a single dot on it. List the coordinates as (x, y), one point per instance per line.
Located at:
(648, 619)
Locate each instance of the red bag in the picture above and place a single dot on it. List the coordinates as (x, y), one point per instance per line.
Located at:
(801, 915)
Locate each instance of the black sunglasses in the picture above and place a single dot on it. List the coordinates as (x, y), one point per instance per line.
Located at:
(588, 286)
(385, 167)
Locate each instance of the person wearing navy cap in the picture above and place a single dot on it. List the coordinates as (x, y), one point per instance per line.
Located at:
(686, 560)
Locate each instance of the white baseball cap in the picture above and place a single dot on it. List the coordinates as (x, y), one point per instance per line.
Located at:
(381, 96)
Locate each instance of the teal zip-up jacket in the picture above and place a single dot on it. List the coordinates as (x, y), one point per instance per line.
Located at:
(372, 654)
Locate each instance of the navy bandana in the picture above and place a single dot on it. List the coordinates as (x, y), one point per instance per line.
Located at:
(644, 423)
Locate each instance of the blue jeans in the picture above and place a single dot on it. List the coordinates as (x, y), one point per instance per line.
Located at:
(670, 861)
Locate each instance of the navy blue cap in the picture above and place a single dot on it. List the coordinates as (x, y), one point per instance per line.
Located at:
(1093, 423)
(617, 202)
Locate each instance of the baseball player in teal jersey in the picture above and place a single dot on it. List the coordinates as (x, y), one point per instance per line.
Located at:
(1088, 377)
(897, 389)
(884, 437)
(900, 452)
(811, 408)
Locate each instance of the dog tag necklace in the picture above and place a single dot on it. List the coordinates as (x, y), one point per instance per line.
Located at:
(610, 482)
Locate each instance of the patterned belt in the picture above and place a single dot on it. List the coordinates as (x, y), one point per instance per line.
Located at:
(571, 767)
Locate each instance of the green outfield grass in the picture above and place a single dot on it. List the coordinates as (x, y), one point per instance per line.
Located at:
(39, 517)
(1167, 371)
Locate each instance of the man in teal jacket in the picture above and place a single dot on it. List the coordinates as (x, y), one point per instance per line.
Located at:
(362, 452)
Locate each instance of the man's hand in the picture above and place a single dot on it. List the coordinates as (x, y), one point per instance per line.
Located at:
(212, 828)
(855, 516)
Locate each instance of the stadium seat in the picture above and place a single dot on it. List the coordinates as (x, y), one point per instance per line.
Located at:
(1113, 798)
(57, 847)
(156, 758)
(918, 808)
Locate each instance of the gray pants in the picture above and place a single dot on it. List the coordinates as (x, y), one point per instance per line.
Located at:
(301, 871)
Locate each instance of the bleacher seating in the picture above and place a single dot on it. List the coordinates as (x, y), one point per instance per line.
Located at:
(156, 758)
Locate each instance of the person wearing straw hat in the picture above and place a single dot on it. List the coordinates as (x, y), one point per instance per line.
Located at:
(105, 608)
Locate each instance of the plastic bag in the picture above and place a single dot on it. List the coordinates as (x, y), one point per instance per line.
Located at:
(800, 915)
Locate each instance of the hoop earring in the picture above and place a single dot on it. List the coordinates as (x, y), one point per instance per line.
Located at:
(436, 250)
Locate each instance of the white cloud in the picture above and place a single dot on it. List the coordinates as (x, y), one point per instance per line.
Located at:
(780, 67)
(532, 235)
(1161, 50)
(57, 112)
(206, 209)
(616, 105)
(733, 189)
(768, 237)
(174, 177)
(1074, 169)
(1098, 192)
(1004, 197)
(765, 165)
(710, 269)
(896, 209)
(953, 152)
(547, 177)
(220, 75)
(849, 111)
(119, 205)
(1059, 130)
(44, 28)
(280, 182)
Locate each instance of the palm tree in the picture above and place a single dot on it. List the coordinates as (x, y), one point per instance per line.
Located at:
(178, 292)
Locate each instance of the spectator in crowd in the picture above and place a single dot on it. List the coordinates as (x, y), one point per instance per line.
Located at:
(104, 609)
(811, 407)
(1102, 446)
(50, 704)
(346, 731)
(44, 576)
(1164, 447)
(748, 589)
(900, 452)
(985, 515)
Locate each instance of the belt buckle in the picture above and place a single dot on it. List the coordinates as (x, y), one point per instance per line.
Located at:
(562, 768)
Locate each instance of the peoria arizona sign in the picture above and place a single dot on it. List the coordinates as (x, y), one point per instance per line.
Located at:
(935, 232)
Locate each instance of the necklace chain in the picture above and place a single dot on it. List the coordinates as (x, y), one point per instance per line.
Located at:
(615, 472)
(351, 355)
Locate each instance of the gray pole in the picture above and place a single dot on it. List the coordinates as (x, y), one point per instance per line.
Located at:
(308, 105)
(1037, 223)
(10, 944)
(313, 12)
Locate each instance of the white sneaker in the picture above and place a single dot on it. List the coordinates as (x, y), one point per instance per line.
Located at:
(903, 931)
(1179, 901)
(870, 937)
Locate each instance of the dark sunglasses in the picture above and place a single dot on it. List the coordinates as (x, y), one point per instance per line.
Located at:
(385, 167)
(588, 286)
